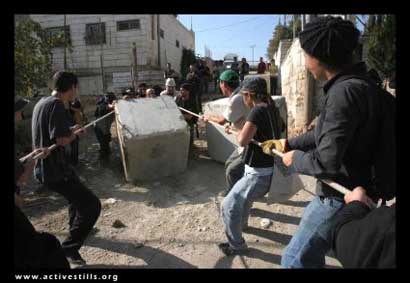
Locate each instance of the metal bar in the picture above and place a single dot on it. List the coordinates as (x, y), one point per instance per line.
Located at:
(54, 146)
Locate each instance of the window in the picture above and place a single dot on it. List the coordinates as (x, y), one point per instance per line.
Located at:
(177, 43)
(58, 35)
(95, 34)
(161, 33)
(127, 25)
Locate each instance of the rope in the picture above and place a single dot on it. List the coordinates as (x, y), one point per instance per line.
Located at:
(54, 146)
(330, 183)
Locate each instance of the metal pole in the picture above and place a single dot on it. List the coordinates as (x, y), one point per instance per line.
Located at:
(65, 44)
(101, 59)
(253, 46)
(54, 146)
(134, 65)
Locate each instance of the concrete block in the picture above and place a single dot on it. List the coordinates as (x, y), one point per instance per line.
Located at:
(220, 144)
(154, 137)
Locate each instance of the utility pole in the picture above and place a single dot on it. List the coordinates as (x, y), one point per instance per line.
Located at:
(65, 44)
(294, 27)
(253, 46)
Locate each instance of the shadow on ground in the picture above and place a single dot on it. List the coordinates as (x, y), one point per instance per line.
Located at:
(226, 261)
(270, 235)
(154, 258)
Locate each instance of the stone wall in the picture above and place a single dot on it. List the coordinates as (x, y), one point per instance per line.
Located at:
(294, 80)
(293, 84)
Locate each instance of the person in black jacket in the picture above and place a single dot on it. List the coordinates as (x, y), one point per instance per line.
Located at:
(341, 147)
(362, 238)
(184, 100)
(102, 128)
(194, 80)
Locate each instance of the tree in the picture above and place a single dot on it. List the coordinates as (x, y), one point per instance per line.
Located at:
(380, 33)
(188, 58)
(32, 57)
(282, 32)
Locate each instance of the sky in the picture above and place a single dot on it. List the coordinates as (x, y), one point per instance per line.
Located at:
(224, 34)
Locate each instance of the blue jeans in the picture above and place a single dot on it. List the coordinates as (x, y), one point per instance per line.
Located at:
(308, 247)
(237, 204)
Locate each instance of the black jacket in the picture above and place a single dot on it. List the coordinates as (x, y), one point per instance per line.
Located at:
(342, 144)
(364, 239)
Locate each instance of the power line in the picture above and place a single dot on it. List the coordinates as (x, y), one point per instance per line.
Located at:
(221, 27)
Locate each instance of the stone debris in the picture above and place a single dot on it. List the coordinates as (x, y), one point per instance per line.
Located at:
(110, 201)
(265, 223)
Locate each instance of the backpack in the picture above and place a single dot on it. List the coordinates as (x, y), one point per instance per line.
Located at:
(384, 162)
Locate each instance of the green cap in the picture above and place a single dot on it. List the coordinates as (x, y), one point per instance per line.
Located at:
(230, 77)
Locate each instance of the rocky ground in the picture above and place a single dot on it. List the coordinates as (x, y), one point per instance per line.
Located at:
(172, 222)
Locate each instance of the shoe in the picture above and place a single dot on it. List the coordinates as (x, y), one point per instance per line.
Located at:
(75, 258)
(228, 250)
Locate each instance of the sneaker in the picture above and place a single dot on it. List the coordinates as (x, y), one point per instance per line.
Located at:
(75, 258)
(228, 250)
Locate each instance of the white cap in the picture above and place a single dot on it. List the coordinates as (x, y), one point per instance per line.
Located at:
(170, 82)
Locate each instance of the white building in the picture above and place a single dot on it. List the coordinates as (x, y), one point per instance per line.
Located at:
(104, 44)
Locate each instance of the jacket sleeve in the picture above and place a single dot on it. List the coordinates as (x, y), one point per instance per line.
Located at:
(355, 210)
(362, 238)
(303, 142)
(341, 118)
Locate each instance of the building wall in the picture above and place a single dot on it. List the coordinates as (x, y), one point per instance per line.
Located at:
(283, 48)
(117, 51)
(293, 82)
(174, 30)
(280, 56)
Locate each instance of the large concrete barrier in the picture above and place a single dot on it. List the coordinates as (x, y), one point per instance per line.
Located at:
(154, 138)
(220, 144)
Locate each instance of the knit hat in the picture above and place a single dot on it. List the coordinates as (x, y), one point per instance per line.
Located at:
(229, 76)
(19, 103)
(256, 85)
(170, 82)
(330, 40)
